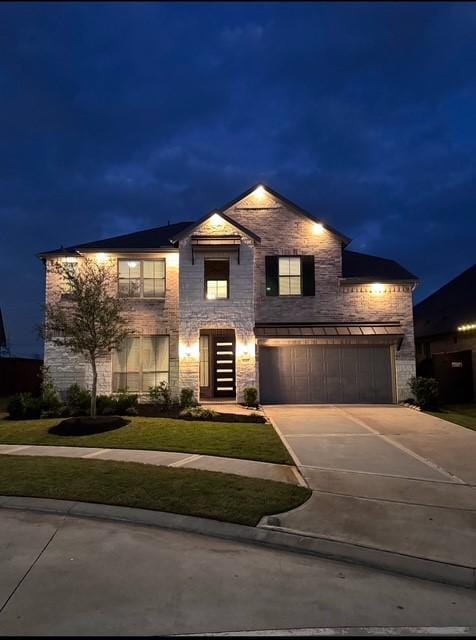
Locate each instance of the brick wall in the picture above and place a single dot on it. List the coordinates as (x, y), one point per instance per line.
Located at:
(285, 232)
(146, 317)
(236, 312)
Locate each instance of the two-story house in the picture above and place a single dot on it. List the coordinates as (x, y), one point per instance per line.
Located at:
(257, 293)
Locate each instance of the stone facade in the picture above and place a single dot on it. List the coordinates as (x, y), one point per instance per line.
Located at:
(185, 310)
(146, 317)
(283, 231)
(235, 312)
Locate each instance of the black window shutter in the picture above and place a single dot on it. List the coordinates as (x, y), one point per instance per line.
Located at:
(308, 278)
(271, 263)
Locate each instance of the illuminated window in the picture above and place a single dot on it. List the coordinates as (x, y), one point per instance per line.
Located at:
(140, 363)
(217, 277)
(204, 361)
(141, 278)
(289, 276)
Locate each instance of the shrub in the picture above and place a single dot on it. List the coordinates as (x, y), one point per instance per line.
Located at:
(161, 395)
(125, 401)
(425, 391)
(49, 398)
(131, 411)
(187, 397)
(251, 396)
(198, 413)
(24, 406)
(78, 400)
(106, 405)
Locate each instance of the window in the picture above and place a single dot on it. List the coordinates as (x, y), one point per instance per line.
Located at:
(141, 363)
(290, 276)
(72, 265)
(141, 278)
(204, 361)
(217, 277)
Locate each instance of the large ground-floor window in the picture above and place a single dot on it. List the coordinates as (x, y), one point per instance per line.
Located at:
(141, 363)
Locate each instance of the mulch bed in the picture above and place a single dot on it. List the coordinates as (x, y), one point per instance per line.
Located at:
(148, 410)
(85, 425)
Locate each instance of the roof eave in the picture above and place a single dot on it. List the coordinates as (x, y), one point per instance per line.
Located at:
(291, 204)
(372, 279)
(186, 232)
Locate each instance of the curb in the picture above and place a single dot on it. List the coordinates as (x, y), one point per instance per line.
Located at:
(266, 535)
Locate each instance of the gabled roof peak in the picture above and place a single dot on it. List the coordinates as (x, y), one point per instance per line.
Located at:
(261, 186)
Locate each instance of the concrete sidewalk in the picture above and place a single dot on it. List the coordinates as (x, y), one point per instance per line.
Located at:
(249, 468)
(387, 478)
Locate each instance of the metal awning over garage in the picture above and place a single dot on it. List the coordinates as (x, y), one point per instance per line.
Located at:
(329, 333)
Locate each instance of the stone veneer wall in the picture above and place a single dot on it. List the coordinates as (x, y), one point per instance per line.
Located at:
(236, 312)
(146, 317)
(286, 232)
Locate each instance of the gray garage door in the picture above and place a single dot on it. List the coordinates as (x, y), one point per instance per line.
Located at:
(301, 374)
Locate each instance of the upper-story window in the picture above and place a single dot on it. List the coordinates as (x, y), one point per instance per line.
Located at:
(290, 276)
(217, 279)
(289, 270)
(71, 265)
(141, 278)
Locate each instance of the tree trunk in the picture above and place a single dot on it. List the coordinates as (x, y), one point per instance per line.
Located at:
(94, 387)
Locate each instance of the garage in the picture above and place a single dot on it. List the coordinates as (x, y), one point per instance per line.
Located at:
(303, 374)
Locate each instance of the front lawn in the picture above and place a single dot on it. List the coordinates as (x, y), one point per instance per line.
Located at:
(232, 440)
(221, 496)
(462, 414)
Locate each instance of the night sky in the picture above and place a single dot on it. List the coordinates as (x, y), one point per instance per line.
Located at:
(120, 117)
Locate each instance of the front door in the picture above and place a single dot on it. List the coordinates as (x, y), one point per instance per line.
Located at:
(224, 366)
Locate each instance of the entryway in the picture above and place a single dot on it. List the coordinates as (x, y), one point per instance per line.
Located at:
(217, 363)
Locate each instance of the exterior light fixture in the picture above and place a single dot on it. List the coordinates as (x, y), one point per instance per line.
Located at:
(260, 191)
(377, 288)
(216, 221)
(173, 259)
(101, 258)
(318, 228)
(467, 327)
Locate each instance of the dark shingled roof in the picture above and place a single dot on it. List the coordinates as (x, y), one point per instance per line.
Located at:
(148, 239)
(361, 265)
(449, 307)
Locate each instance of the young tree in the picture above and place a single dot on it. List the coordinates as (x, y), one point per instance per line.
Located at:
(89, 320)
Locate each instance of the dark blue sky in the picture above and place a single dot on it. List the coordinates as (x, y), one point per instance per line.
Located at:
(119, 117)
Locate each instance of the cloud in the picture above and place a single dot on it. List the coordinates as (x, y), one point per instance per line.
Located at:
(116, 117)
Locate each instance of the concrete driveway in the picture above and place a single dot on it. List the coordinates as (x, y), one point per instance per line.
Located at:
(384, 476)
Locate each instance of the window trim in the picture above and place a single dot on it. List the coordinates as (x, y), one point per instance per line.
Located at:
(142, 393)
(141, 261)
(205, 281)
(291, 295)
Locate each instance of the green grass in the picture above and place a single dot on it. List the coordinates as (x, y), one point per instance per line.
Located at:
(233, 440)
(462, 414)
(220, 496)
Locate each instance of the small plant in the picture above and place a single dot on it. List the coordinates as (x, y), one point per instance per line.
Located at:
(131, 411)
(250, 395)
(198, 413)
(78, 400)
(425, 391)
(187, 397)
(161, 395)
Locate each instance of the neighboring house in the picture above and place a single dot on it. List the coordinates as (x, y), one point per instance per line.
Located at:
(256, 293)
(445, 334)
